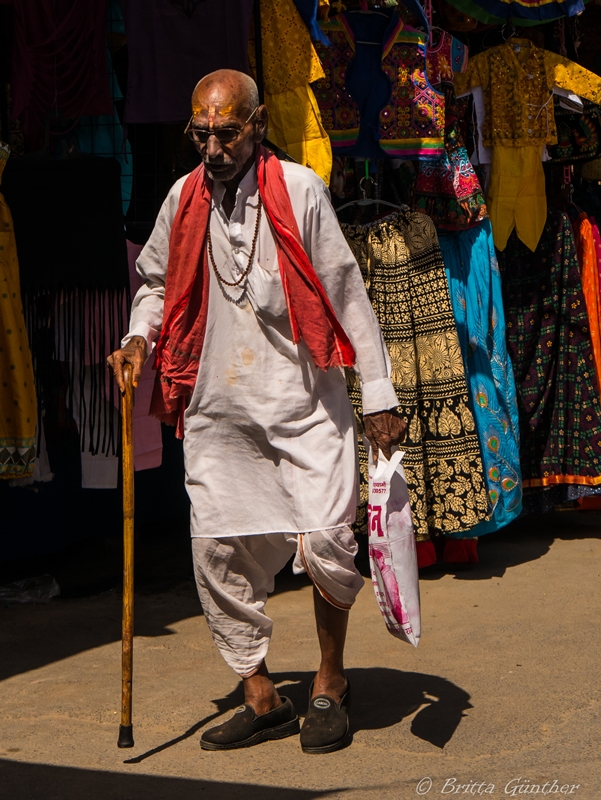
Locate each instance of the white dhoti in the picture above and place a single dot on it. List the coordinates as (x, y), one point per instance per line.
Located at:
(235, 574)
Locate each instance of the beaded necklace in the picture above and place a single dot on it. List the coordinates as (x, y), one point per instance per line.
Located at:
(251, 257)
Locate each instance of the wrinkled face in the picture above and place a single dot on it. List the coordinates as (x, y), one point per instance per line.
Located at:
(218, 109)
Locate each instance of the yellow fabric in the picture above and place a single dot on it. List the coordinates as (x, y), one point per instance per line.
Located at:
(517, 80)
(295, 126)
(516, 195)
(18, 407)
(289, 58)
(290, 64)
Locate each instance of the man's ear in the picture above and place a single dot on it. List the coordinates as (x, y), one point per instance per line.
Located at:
(262, 122)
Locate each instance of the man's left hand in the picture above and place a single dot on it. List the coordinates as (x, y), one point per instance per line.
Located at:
(384, 429)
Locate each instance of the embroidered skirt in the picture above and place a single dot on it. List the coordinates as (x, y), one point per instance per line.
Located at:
(475, 285)
(401, 263)
(549, 342)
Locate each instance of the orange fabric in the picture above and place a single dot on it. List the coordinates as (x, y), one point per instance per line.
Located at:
(312, 317)
(587, 257)
(554, 480)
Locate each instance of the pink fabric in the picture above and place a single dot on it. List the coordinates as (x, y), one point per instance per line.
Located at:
(148, 442)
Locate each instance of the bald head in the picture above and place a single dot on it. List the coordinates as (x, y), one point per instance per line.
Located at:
(225, 89)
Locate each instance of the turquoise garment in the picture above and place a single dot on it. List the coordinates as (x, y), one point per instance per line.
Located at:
(475, 288)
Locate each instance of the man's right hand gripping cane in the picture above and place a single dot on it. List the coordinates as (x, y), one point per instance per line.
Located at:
(133, 353)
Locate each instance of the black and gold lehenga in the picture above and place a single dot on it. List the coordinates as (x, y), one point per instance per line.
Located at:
(404, 274)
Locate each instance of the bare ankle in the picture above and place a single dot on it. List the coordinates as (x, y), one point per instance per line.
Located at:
(332, 683)
(260, 693)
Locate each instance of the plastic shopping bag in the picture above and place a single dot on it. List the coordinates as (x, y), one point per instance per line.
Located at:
(392, 551)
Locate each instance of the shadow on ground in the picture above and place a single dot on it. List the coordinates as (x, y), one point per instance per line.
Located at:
(23, 781)
(381, 698)
(526, 539)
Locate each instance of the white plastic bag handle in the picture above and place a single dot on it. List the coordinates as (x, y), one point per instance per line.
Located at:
(384, 469)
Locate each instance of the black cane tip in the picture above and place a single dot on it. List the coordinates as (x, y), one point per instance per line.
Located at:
(126, 736)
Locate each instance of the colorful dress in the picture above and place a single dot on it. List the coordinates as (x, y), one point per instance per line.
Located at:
(18, 406)
(476, 294)
(517, 81)
(401, 264)
(376, 99)
(447, 190)
(549, 342)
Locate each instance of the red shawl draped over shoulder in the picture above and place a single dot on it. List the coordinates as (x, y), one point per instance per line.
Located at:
(179, 347)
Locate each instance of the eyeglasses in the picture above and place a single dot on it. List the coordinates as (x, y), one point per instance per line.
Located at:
(223, 135)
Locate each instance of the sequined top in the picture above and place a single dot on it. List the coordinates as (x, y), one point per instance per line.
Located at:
(517, 80)
(445, 58)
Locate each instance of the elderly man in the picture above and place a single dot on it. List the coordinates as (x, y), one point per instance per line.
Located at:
(254, 303)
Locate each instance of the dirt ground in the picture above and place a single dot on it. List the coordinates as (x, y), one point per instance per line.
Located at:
(500, 699)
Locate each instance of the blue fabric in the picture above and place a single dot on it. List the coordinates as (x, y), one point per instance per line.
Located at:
(366, 81)
(475, 288)
(308, 11)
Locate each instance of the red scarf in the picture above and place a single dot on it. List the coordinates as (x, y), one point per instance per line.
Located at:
(179, 347)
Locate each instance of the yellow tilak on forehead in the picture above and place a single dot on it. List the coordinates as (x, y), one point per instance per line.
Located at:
(211, 111)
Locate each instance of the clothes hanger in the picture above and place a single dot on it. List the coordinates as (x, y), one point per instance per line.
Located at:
(368, 201)
(507, 36)
(504, 35)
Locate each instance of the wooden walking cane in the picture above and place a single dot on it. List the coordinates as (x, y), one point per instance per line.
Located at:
(126, 738)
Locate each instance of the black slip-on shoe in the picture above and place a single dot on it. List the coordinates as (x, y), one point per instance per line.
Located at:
(245, 728)
(326, 726)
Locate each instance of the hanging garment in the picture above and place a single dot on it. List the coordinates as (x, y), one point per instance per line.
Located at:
(73, 262)
(589, 273)
(548, 341)
(448, 190)
(104, 135)
(172, 44)
(18, 407)
(58, 62)
(578, 134)
(376, 99)
(404, 275)
(516, 194)
(308, 11)
(517, 80)
(290, 64)
(475, 288)
(597, 241)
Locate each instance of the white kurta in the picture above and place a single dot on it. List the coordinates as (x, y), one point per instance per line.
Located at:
(269, 441)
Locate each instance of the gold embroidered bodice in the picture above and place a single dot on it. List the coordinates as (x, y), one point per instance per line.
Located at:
(517, 79)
